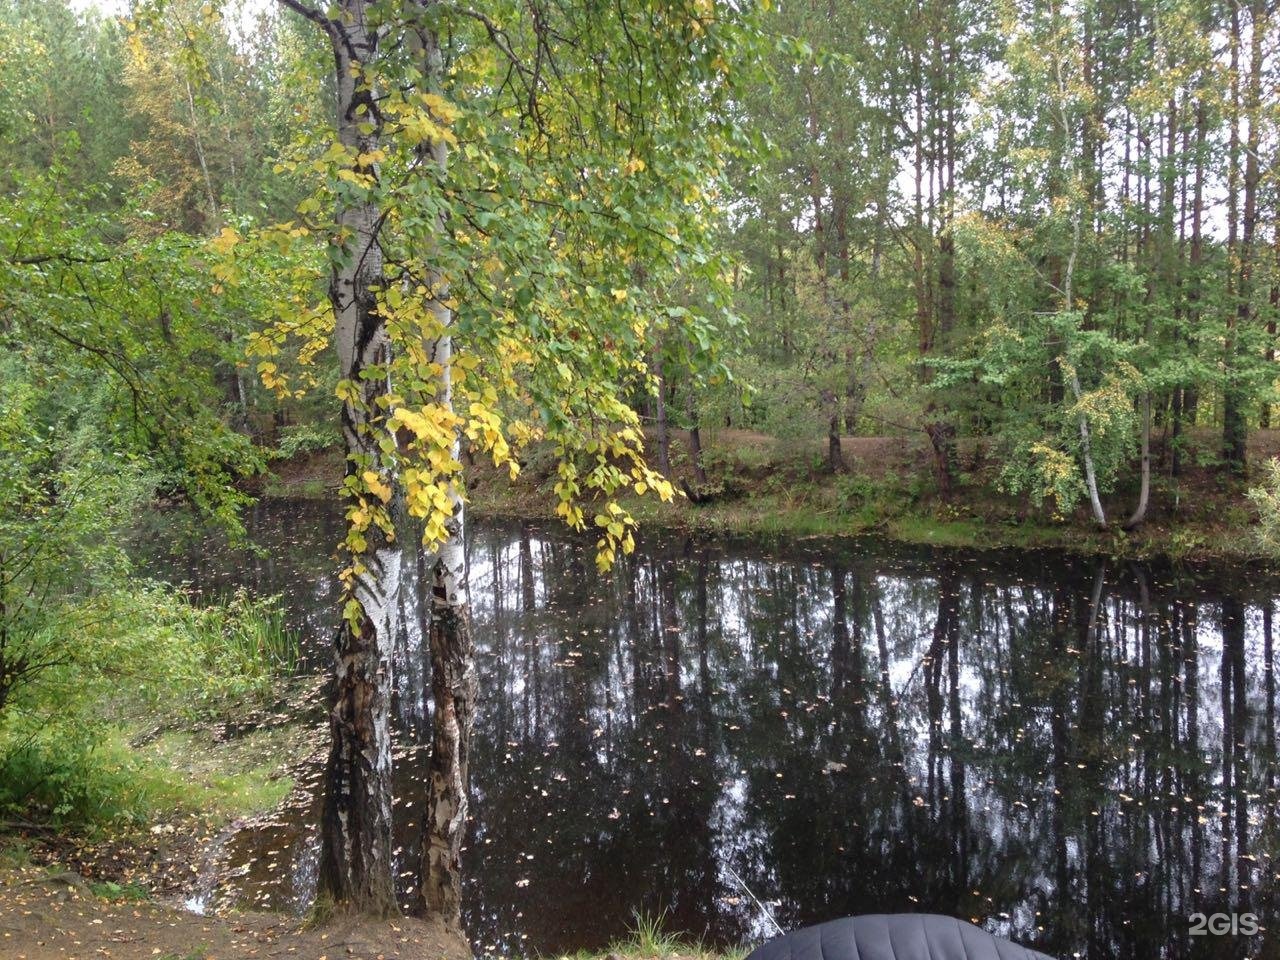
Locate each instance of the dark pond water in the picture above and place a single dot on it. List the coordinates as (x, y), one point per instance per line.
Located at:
(1075, 754)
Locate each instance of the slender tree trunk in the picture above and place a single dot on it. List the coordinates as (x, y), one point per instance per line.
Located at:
(453, 693)
(1068, 299)
(453, 671)
(1086, 453)
(945, 125)
(663, 438)
(1190, 401)
(1144, 494)
(1236, 430)
(942, 432)
(920, 280)
(1165, 269)
(855, 389)
(197, 143)
(695, 440)
(1181, 306)
(942, 440)
(1234, 424)
(1082, 418)
(831, 408)
(356, 856)
(815, 192)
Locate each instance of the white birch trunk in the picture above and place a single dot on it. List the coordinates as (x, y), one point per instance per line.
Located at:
(1086, 440)
(453, 673)
(356, 854)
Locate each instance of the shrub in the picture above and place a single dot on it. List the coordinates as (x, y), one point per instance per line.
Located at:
(1266, 500)
(306, 439)
(82, 644)
(853, 492)
(139, 650)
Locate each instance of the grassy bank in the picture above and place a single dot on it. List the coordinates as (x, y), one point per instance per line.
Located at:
(758, 485)
(171, 793)
(647, 940)
(159, 724)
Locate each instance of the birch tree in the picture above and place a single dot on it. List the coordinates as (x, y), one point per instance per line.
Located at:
(496, 198)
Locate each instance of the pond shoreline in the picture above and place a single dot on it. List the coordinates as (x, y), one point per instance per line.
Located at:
(51, 913)
(1209, 522)
(804, 692)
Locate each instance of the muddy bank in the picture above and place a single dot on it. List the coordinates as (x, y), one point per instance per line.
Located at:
(54, 914)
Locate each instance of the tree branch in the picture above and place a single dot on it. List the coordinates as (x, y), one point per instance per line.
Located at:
(305, 10)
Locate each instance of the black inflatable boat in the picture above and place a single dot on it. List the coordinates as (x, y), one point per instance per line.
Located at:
(893, 936)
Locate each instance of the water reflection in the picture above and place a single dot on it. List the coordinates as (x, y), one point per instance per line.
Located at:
(1076, 754)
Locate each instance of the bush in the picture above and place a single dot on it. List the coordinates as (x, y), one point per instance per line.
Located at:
(1266, 500)
(141, 650)
(854, 492)
(82, 645)
(729, 468)
(305, 439)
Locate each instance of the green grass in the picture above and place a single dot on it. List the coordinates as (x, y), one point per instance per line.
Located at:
(182, 773)
(187, 772)
(311, 488)
(247, 636)
(125, 893)
(648, 940)
(14, 853)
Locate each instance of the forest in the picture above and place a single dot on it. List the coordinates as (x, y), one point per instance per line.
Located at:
(777, 460)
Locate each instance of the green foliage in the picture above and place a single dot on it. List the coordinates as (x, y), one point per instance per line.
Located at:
(783, 405)
(141, 650)
(304, 439)
(132, 325)
(558, 235)
(65, 105)
(120, 893)
(63, 503)
(81, 643)
(854, 492)
(1266, 500)
(1041, 436)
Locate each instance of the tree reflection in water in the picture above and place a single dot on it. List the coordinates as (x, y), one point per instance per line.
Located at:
(1075, 754)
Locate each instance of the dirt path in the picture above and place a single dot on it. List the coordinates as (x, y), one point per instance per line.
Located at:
(55, 916)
